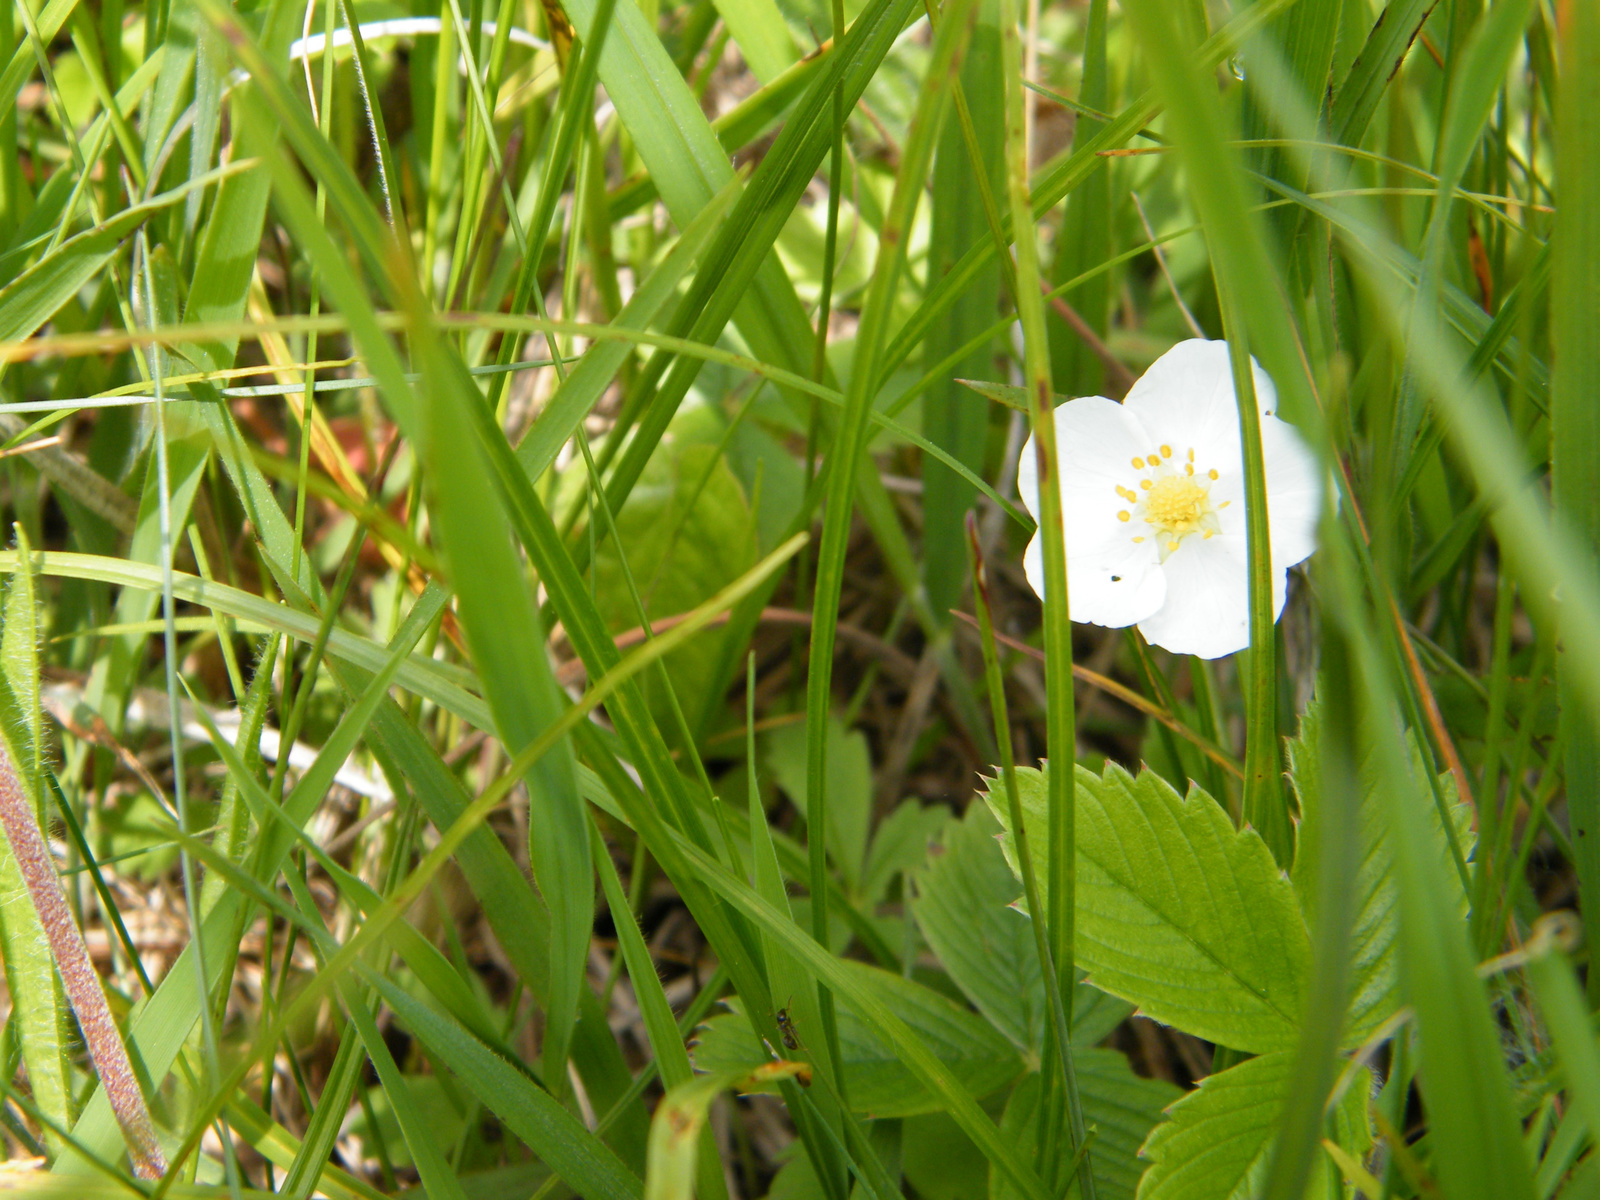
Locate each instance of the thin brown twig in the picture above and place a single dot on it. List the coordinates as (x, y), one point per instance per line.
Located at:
(1121, 377)
(1126, 694)
(1166, 273)
(898, 661)
(101, 736)
(1430, 710)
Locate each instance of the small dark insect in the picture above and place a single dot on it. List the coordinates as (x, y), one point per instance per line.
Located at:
(786, 1027)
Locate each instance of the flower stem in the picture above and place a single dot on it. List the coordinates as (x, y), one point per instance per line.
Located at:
(88, 1001)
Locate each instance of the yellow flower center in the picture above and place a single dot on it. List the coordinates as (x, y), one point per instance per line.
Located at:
(1175, 504)
(1170, 502)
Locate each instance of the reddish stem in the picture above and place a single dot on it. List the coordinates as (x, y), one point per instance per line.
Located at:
(77, 974)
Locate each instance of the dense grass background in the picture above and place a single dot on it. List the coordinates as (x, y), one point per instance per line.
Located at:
(490, 655)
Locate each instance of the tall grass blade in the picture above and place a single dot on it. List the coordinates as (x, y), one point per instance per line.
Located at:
(1575, 413)
(844, 463)
(953, 418)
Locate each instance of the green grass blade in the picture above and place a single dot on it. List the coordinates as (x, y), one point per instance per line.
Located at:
(953, 419)
(406, 894)
(838, 975)
(420, 1136)
(1478, 1149)
(1375, 67)
(1567, 1016)
(595, 372)
(34, 296)
(688, 166)
(845, 461)
(308, 1169)
(1085, 237)
(762, 35)
(1060, 914)
(1575, 413)
(1332, 916)
(1059, 1035)
(734, 268)
(160, 1028)
(672, 1060)
(502, 628)
(420, 674)
(530, 1113)
(1056, 179)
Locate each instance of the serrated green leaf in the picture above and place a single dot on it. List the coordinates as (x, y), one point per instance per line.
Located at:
(849, 787)
(878, 1083)
(1178, 912)
(1119, 1105)
(963, 907)
(1216, 1142)
(900, 843)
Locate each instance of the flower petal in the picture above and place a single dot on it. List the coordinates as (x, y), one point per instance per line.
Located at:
(1111, 580)
(1186, 399)
(1294, 492)
(1207, 612)
(1097, 440)
(1115, 585)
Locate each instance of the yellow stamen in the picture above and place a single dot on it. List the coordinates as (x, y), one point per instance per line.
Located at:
(1124, 515)
(1146, 484)
(1166, 452)
(1138, 464)
(1212, 472)
(1176, 504)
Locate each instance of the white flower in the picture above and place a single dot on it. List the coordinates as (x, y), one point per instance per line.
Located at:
(1153, 503)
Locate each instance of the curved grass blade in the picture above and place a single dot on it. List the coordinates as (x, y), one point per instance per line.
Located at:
(418, 674)
(34, 296)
